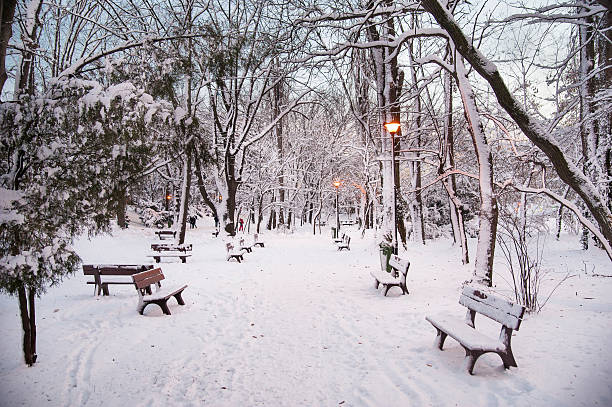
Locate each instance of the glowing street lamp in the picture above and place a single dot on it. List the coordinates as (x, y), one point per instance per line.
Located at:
(337, 185)
(393, 127)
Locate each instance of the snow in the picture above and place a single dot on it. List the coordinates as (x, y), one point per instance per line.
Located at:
(7, 213)
(299, 323)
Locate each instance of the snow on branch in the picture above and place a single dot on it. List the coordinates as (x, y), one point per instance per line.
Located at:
(81, 63)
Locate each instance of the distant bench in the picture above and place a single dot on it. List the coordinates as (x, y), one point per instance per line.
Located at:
(344, 243)
(100, 272)
(509, 315)
(256, 241)
(170, 250)
(232, 253)
(143, 282)
(166, 234)
(397, 276)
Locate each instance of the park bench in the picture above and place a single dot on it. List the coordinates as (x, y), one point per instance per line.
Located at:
(397, 276)
(144, 280)
(245, 246)
(170, 250)
(100, 271)
(475, 343)
(256, 241)
(171, 247)
(166, 234)
(345, 243)
(338, 239)
(233, 254)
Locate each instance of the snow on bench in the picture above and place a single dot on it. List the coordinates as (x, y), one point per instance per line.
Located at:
(256, 241)
(475, 343)
(170, 250)
(98, 271)
(344, 243)
(233, 254)
(166, 234)
(397, 276)
(245, 246)
(145, 280)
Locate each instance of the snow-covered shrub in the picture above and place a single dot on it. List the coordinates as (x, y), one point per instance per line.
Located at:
(522, 243)
(63, 155)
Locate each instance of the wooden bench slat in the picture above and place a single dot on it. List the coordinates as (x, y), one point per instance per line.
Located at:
(502, 311)
(102, 270)
(156, 272)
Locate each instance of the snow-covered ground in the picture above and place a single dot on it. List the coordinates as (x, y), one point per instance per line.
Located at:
(300, 324)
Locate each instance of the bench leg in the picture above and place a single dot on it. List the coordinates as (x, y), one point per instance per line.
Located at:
(387, 287)
(105, 289)
(157, 259)
(470, 359)
(376, 284)
(440, 338)
(163, 304)
(179, 298)
(184, 259)
(404, 289)
(508, 359)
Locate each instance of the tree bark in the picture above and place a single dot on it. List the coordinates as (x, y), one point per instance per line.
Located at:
(487, 225)
(121, 206)
(185, 192)
(532, 128)
(7, 13)
(416, 199)
(26, 325)
(201, 186)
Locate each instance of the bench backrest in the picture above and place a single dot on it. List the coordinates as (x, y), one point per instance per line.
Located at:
(498, 309)
(89, 269)
(399, 264)
(146, 278)
(114, 269)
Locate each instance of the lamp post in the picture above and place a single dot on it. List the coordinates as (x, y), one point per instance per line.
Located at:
(392, 128)
(337, 185)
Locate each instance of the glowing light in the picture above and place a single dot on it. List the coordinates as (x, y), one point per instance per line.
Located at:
(392, 127)
(336, 183)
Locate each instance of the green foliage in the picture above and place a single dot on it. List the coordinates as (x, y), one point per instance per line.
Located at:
(63, 158)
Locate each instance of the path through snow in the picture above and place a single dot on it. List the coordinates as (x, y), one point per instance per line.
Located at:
(300, 324)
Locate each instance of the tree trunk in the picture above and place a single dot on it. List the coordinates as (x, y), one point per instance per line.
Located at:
(121, 206)
(26, 309)
(487, 225)
(416, 199)
(277, 98)
(198, 170)
(185, 190)
(532, 128)
(449, 162)
(7, 13)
